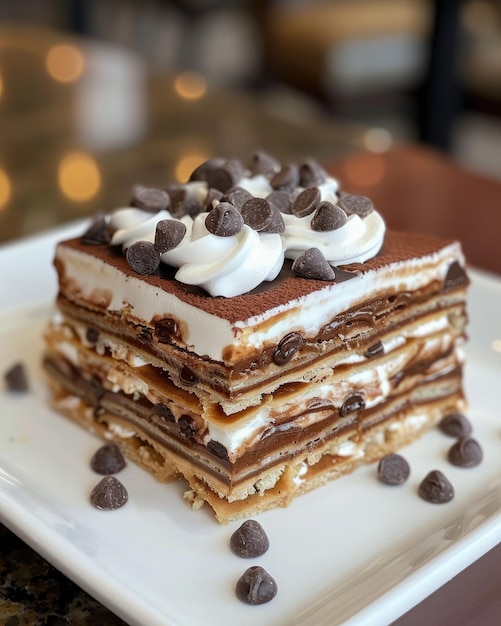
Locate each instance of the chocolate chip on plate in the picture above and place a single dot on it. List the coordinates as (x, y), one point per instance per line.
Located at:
(455, 425)
(224, 220)
(108, 459)
(109, 494)
(466, 452)
(436, 488)
(306, 202)
(168, 235)
(150, 199)
(143, 257)
(311, 173)
(354, 204)
(249, 540)
(16, 378)
(393, 469)
(97, 233)
(328, 217)
(312, 264)
(256, 586)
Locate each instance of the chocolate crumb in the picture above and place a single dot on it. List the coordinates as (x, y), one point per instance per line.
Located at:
(92, 335)
(466, 452)
(108, 459)
(249, 540)
(393, 469)
(312, 264)
(143, 257)
(436, 488)
(109, 494)
(188, 376)
(256, 586)
(16, 378)
(455, 425)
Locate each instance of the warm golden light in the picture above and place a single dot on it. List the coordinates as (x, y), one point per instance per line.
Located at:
(79, 177)
(187, 163)
(1, 86)
(190, 85)
(496, 345)
(378, 140)
(5, 189)
(365, 171)
(65, 63)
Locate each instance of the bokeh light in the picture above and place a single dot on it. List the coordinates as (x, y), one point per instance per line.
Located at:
(79, 177)
(190, 85)
(187, 163)
(378, 140)
(5, 189)
(65, 63)
(365, 171)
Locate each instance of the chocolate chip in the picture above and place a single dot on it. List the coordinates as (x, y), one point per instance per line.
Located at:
(354, 204)
(276, 223)
(237, 196)
(456, 277)
(263, 163)
(249, 540)
(224, 220)
(257, 213)
(16, 378)
(393, 469)
(165, 329)
(466, 452)
(354, 403)
(328, 217)
(109, 494)
(186, 426)
(311, 174)
(143, 257)
(183, 203)
(375, 350)
(455, 425)
(287, 348)
(92, 335)
(188, 376)
(311, 263)
(202, 171)
(226, 176)
(286, 178)
(212, 195)
(218, 449)
(108, 459)
(256, 586)
(306, 202)
(168, 235)
(163, 411)
(150, 199)
(436, 488)
(282, 200)
(97, 233)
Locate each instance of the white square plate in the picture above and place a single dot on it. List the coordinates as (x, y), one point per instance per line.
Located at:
(354, 551)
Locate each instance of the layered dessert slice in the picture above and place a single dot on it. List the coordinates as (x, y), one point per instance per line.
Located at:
(256, 332)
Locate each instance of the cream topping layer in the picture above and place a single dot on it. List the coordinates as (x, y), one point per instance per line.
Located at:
(88, 278)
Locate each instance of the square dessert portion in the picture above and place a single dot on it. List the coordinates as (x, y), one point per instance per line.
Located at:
(256, 332)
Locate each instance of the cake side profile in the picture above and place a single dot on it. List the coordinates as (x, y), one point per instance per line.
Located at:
(256, 332)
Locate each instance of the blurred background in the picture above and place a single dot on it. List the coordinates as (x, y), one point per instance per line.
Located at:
(96, 95)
